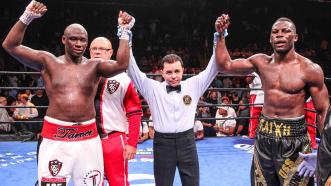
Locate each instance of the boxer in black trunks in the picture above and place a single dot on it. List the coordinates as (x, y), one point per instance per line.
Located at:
(288, 79)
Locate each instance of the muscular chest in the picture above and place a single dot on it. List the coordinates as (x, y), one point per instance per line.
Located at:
(82, 76)
(287, 78)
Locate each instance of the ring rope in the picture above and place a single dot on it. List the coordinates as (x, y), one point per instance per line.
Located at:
(186, 75)
(144, 106)
(147, 120)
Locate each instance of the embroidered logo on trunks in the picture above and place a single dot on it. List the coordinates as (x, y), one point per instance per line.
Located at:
(92, 178)
(72, 134)
(187, 99)
(278, 129)
(54, 167)
(112, 86)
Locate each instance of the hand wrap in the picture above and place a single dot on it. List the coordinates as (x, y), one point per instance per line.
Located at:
(217, 35)
(28, 15)
(124, 31)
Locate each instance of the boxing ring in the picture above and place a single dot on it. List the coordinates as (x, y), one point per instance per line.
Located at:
(222, 160)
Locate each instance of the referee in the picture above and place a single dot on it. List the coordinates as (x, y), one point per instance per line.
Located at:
(173, 105)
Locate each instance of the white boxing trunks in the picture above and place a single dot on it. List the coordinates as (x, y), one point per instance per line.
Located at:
(70, 150)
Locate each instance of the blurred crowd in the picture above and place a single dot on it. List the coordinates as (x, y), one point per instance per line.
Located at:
(162, 27)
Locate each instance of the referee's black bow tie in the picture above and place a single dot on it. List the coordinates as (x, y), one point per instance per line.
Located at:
(176, 88)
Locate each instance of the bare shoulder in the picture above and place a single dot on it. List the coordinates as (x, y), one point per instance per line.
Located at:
(309, 66)
(101, 64)
(46, 54)
(313, 71)
(260, 58)
(60, 59)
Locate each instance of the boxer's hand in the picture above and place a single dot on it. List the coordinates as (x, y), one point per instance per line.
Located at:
(125, 20)
(222, 23)
(308, 166)
(125, 23)
(32, 11)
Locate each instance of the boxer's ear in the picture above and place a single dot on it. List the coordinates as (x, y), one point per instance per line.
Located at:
(295, 38)
(63, 39)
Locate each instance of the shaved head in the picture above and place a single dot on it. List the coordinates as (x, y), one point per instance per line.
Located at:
(72, 27)
(101, 48)
(106, 43)
(75, 40)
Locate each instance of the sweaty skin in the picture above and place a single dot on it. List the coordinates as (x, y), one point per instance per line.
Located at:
(70, 80)
(287, 77)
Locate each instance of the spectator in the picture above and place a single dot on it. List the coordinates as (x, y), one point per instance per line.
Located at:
(25, 112)
(4, 116)
(242, 123)
(212, 98)
(143, 132)
(231, 111)
(208, 124)
(224, 126)
(39, 99)
(198, 130)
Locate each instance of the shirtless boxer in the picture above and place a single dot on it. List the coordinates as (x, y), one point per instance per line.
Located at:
(71, 147)
(288, 79)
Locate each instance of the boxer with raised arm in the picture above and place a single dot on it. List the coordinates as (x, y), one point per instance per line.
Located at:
(288, 79)
(71, 147)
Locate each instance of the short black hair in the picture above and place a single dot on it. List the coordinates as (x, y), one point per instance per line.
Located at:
(287, 20)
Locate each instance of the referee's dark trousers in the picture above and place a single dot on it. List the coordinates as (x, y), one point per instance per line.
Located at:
(172, 150)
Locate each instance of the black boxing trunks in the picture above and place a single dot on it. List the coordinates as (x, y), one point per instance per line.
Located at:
(323, 169)
(276, 151)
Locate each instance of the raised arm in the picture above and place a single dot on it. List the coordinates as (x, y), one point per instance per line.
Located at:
(319, 94)
(125, 23)
(238, 66)
(13, 42)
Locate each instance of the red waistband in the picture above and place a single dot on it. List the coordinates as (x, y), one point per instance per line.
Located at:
(69, 133)
(111, 135)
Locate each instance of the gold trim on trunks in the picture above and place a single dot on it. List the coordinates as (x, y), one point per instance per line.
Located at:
(259, 179)
(271, 127)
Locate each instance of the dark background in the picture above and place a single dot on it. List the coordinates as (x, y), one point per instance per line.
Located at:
(185, 27)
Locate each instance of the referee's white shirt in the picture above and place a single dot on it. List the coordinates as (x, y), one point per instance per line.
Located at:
(172, 112)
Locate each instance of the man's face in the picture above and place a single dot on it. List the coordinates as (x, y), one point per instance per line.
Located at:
(283, 36)
(101, 48)
(24, 100)
(3, 101)
(172, 73)
(39, 92)
(75, 42)
(225, 101)
(213, 95)
(222, 111)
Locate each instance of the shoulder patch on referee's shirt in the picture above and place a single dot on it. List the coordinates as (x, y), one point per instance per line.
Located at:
(187, 99)
(112, 86)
